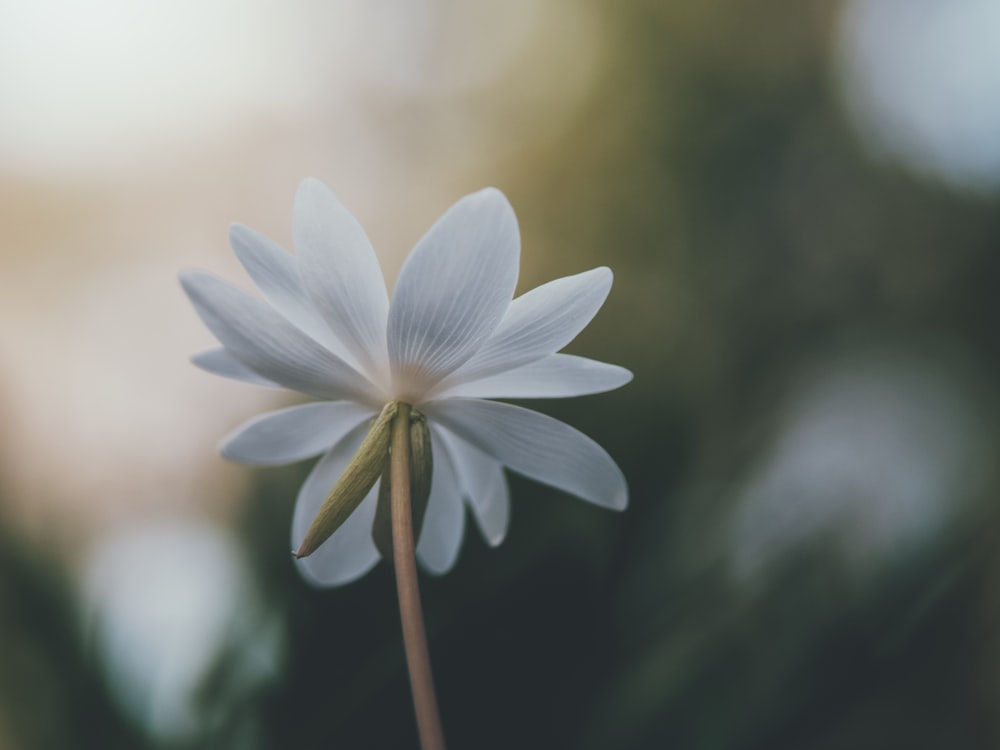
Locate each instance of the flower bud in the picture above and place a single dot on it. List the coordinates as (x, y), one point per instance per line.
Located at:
(421, 471)
(354, 484)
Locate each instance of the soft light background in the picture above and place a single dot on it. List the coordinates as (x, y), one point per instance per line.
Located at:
(799, 200)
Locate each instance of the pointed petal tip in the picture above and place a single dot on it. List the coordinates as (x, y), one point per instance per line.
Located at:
(238, 234)
(603, 277)
(310, 195)
(620, 502)
(311, 182)
(313, 188)
(490, 195)
(493, 193)
(191, 280)
(225, 451)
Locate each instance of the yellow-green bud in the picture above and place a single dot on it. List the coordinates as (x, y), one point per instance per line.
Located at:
(421, 471)
(354, 484)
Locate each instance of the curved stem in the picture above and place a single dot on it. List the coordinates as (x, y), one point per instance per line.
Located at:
(418, 660)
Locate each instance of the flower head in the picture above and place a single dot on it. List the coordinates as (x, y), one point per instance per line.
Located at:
(450, 337)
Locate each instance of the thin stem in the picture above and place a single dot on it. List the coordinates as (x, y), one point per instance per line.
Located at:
(418, 660)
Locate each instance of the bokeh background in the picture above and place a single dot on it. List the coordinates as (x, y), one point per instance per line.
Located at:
(800, 202)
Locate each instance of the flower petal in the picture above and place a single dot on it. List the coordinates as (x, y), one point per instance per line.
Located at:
(341, 273)
(453, 289)
(275, 272)
(350, 552)
(220, 362)
(554, 376)
(537, 446)
(483, 484)
(271, 346)
(444, 523)
(539, 322)
(287, 435)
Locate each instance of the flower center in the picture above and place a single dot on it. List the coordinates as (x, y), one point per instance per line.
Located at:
(411, 384)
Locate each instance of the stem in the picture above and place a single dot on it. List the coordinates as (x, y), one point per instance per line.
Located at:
(418, 660)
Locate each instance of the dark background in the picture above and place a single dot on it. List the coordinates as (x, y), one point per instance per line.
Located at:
(809, 559)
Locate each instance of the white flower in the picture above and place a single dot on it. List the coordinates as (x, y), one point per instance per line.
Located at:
(450, 337)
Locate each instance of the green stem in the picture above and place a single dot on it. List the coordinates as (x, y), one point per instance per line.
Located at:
(418, 660)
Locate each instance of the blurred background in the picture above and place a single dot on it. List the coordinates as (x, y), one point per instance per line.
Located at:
(799, 201)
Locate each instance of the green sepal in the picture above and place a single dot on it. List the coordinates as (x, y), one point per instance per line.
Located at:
(354, 484)
(421, 471)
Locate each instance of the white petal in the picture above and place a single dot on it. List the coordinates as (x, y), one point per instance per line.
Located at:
(444, 523)
(483, 484)
(275, 272)
(341, 273)
(453, 289)
(554, 376)
(220, 362)
(540, 322)
(280, 437)
(537, 446)
(271, 346)
(350, 552)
